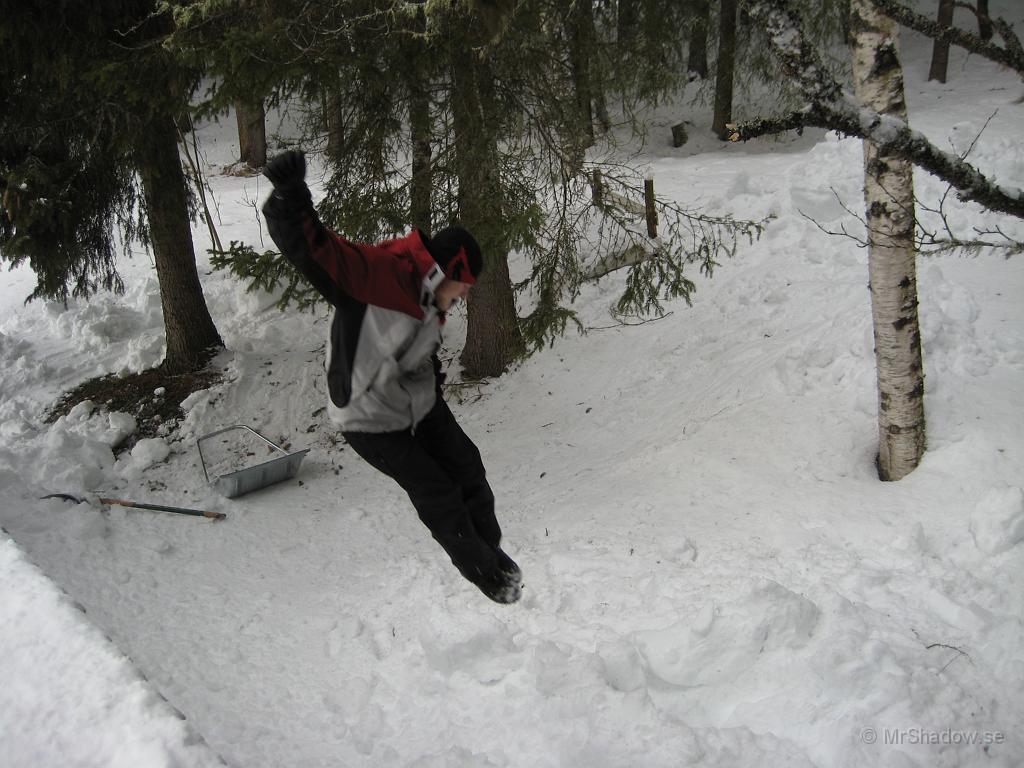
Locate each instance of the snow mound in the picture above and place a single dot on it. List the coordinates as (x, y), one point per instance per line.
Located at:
(997, 523)
(145, 453)
(725, 643)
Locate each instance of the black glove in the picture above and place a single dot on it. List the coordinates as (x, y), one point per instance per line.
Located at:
(287, 171)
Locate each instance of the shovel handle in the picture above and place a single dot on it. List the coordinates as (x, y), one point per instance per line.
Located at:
(163, 508)
(140, 505)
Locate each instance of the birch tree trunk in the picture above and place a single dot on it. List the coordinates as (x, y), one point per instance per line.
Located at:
(889, 198)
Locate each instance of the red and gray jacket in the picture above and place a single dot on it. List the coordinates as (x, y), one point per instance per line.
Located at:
(381, 356)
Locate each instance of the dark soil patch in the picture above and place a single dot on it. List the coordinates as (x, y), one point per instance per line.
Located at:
(136, 394)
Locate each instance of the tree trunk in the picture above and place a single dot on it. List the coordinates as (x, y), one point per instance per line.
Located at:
(940, 48)
(252, 133)
(191, 336)
(984, 21)
(604, 120)
(724, 67)
(697, 54)
(493, 338)
(335, 126)
(580, 28)
(889, 197)
(417, 80)
(421, 184)
(626, 21)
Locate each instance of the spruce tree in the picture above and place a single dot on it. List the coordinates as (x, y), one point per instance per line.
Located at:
(93, 100)
(493, 337)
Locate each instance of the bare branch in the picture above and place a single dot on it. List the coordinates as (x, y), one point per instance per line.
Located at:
(841, 232)
(624, 324)
(974, 142)
(926, 241)
(932, 243)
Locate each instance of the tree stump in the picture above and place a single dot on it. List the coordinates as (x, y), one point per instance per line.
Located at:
(679, 135)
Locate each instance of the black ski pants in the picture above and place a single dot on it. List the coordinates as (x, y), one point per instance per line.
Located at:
(441, 470)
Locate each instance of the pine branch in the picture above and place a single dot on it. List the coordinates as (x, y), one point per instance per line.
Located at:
(1011, 56)
(1012, 41)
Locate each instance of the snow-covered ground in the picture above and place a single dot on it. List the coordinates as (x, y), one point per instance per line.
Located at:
(714, 575)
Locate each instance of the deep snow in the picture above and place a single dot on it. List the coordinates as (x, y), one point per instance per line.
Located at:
(714, 575)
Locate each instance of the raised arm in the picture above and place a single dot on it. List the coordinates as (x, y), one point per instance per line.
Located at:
(332, 264)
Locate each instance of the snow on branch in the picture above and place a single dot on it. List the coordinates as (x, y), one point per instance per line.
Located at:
(828, 106)
(798, 58)
(1011, 56)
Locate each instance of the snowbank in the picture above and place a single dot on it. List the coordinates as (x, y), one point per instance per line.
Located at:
(69, 697)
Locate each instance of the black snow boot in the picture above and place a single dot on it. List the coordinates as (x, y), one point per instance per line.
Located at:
(505, 585)
(508, 566)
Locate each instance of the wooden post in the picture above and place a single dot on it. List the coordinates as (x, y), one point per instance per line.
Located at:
(651, 211)
(596, 188)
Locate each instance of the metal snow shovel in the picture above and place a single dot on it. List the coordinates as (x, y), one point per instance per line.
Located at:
(140, 505)
(282, 467)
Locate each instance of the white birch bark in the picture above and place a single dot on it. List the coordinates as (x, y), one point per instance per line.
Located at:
(889, 199)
